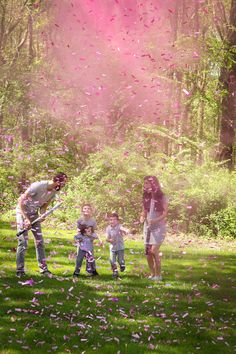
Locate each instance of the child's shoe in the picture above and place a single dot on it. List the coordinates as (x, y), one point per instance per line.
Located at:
(115, 274)
(76, 274)
(20, 274)
(122, 268)
(46, 272)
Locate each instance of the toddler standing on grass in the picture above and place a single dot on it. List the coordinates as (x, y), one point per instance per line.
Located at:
(84, 240)
(115, 233)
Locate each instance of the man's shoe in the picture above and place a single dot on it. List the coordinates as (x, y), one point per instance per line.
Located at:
(20, 274)
(95, 273)
(122, 268)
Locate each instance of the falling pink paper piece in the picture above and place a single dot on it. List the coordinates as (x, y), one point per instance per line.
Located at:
(195, 55)
(187, 93)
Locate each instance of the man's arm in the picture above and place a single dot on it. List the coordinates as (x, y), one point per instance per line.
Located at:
(31, 191)
(22, 201)
(44, 207)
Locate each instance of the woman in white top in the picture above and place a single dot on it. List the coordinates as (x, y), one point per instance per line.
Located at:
(154, 217)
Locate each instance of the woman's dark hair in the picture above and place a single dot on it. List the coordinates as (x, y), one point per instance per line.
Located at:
(59, 177)
(155, 193)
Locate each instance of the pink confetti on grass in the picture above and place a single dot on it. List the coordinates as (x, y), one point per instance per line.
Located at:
(34, 301)
(215, 286)
(27, 282)
(151, 346)
(114, 299)
(185, 315)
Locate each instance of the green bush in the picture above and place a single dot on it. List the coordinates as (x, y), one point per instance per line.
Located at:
(113, 180)
(205, 190)
(6, 191)
(223, 223)
(200, 196)
(21, 166)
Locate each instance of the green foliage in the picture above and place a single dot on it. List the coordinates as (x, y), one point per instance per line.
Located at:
(113, 180)
(201, 190)
(20, 166)
(35, 144)
(7, 192)
(221, 223)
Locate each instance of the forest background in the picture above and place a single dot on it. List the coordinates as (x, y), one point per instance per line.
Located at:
(109, 92)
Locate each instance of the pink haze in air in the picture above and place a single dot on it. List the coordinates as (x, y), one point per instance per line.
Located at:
(108, 59)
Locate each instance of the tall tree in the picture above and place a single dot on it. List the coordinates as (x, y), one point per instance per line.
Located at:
(18, 34)
(228, 84)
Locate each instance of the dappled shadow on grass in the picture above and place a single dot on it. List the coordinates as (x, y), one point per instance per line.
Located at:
(99, 313)
(190, 311)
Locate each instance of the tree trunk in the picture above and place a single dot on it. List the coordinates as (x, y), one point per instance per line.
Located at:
(196, 18)
(228, 83)
(31, 49)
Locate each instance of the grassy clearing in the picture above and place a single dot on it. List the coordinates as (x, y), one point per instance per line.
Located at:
(191, 311)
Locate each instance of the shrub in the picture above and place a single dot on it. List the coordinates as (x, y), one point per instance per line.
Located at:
(113, 180)
(223, 223)
(200, 196)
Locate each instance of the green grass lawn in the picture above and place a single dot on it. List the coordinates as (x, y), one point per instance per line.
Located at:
(191, 311)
